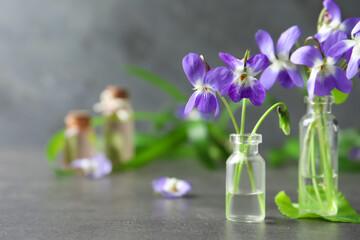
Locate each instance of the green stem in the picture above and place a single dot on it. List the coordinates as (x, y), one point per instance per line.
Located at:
(313, 170)
(257, 125)
(230, 112)
(302, 188)
(243, 110)
(242, 149)
(325, 156)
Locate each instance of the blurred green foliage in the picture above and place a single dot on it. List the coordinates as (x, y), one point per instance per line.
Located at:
(205, 140)
(349, 141)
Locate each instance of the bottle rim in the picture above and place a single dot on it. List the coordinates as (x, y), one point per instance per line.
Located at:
(320, 100)
(246, 138)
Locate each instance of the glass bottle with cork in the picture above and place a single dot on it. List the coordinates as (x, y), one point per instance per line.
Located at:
(80, 137)
(118, 127)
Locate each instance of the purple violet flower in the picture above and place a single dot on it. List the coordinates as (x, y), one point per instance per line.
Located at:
(281, 68)
(332, 22)
(354, 153)
(96, 167)
(243, 83)
(206, 84)
(171, 187)
(324, 76)
(352, 48)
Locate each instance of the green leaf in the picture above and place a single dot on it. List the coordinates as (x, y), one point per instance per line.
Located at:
(55, 145)
(339, 97)
(277, 156)
(345, 212)
(157, 81)
(292, 147)
(157, 148)
(53, 148)
(97, 121)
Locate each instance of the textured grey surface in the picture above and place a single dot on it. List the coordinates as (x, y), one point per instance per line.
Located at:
(37, 205)
(57, 56)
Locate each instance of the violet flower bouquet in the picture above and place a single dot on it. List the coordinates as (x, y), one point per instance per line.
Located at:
(329, 66)
(245, 181)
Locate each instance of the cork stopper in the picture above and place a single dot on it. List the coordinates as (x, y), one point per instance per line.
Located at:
(78, 119)
(118, 92)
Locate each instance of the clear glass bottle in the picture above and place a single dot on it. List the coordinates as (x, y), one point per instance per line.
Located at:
(318, 165)
(118, 128)
(80, 137)
(245, 180)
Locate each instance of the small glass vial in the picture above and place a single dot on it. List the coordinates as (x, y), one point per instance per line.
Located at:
(318, 165)
(80, 137)
(245, 180)
(118, 128)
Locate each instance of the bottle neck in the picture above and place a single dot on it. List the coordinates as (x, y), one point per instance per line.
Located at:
(318, 108)
(250, 149)
(319, 104)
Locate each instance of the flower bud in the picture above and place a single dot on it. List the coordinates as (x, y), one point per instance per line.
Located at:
(284, 120)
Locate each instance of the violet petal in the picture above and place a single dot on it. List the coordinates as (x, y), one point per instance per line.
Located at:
(206, 102)
(341, 47)
(258, 93)
(285, 79)
(287, 40)
(311, 83)
(296, 77)
(269, 76)
(333, 9)
(218, 78)
(172, 187)
(332, 40)
(194, 68)
(232, 62)
(324, 84)
(265, 43)
(349, 24)
(343, 84)
(356, 29)
(306, 55)
(323, 34)
(258, 63)
(353, 65)
(191, 103)
(237, 92)
(158, 184)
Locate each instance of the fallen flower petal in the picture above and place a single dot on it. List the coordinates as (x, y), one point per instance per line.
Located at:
(171, 187)
(95, 167)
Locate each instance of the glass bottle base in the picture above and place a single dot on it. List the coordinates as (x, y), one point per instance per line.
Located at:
(246, 207)
(248, 219)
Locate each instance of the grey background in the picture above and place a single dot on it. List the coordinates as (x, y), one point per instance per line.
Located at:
(57, 56)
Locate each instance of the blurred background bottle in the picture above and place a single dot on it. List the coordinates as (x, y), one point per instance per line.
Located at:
(118, 128)
(80, 137)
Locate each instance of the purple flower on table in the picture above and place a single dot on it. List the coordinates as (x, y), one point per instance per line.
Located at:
(243, 83)
(280, 68)
(352, 49)
(206, 84)
(324, 76)
(171, 187)
(331, 22)
(96, 167)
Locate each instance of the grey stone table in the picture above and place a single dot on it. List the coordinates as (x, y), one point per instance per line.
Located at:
(35, 204)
